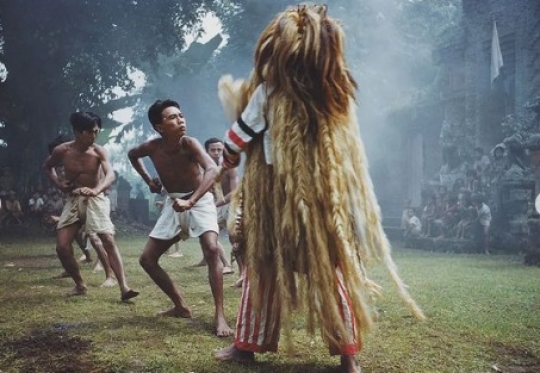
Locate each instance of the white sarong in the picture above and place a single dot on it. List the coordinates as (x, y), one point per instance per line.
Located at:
(201, 218)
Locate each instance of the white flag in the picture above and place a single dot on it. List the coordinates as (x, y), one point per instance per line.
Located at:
(496, 55)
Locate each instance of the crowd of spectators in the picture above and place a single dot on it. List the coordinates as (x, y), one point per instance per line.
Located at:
(461, 211)
(37, 207)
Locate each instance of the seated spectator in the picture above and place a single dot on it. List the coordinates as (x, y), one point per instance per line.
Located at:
(36, 204)
(472, 182)
(464, 199)
(429, 216)
(482, 166)
(405, 214)
(483, 219)
(55, 205)
(499, 163)
(12, 209)
(442, 194)
(414, 225)
(467, 217)
(450, 217)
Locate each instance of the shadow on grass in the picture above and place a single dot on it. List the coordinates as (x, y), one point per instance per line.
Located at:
(49, 351)
(296, 367)
(528, 361)
(29, 261)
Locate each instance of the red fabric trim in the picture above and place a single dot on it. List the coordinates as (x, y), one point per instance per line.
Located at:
(252, 347)
(237, 140)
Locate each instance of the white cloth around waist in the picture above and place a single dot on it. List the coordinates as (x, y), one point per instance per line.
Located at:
(201, 218)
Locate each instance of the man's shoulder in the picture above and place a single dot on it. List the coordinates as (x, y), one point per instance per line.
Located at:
(97, 147)
(149, 146)
(64, 147)
(191, 144)
(188, 140)
(100, 151)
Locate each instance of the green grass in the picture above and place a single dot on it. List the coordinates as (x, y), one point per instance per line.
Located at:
(482, 311)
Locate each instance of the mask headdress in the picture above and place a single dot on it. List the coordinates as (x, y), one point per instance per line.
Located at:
(301, 55)
(301, 20)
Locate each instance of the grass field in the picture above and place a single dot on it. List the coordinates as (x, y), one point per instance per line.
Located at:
(483, 315)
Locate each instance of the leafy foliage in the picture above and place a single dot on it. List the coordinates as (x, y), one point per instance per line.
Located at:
(64, 55)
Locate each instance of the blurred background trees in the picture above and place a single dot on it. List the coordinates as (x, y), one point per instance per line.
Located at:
(58, 56)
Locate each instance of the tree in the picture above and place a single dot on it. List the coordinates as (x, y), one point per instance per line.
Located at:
(64, 55)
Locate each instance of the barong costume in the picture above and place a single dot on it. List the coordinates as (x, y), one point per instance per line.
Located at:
(306, 214)
(93, 213)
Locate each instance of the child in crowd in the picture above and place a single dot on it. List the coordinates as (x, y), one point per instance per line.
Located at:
(483, 218)
(414, 225)
(464, 226)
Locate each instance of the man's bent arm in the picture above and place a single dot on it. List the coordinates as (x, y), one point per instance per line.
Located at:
(135, 156)
(106, 181)
(233, 183)
(50, 163)
(209, 167)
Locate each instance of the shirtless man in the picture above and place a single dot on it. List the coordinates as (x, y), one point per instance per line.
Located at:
(189, 210)
(82, 236)
(214, 148)
(83, 161)
(229, 181)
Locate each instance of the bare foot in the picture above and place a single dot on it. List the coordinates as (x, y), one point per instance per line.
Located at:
(176, 312)
(129, 294)
(222, 328)
(349, 365)
(97, 268)
(238, 283)
(78, 290)
(232, 353)
(176, 255)
(61, 275)
(85, 259)
(227, 271)
(109, 282)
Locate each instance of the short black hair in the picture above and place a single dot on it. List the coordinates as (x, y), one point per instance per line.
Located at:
(211, 140)
(478, 197)
(84, 121)
(155, 111)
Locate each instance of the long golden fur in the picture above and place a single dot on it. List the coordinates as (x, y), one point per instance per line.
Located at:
(314, 209)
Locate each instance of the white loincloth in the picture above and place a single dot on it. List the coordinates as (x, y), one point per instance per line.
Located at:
(201, 218)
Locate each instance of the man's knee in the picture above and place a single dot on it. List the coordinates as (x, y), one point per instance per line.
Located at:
(211, 252)
(63, 249)
(148, 261)
(145, 261)
(106, 238)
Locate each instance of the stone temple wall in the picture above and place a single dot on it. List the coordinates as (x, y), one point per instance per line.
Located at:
(518, 25)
